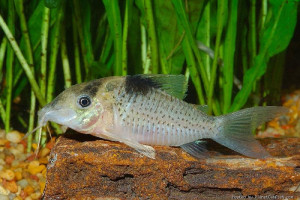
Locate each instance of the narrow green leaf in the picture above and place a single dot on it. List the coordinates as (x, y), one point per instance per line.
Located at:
(152, 36)
(128, 8)
(9, 66)
(229, 52)
(114, 20)
(100, 34)
(107, 47)
(2, 112)
(44, 50)
(83, 44)
(252, 33)
(222, 5)
(65, 60)
(3, 49)
(76, 53)
(86, 29)
(54, 45)
(204, 35)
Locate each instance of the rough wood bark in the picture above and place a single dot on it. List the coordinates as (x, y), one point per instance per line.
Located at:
(84, 167)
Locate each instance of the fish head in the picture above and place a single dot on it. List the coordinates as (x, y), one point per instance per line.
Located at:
(78, 107)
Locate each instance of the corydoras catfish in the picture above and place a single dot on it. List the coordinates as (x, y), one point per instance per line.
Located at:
(143, 110)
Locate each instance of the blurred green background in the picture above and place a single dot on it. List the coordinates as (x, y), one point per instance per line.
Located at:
(233, 53)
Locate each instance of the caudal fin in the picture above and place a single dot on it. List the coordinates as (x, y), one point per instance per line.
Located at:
(236, 129)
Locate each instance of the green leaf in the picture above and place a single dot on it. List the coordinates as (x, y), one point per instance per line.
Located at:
(285, 27)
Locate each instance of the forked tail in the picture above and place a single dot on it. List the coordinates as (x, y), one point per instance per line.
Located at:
(236, 129)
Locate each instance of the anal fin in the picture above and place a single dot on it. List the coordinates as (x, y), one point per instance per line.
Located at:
(196, 149)
(141, 148)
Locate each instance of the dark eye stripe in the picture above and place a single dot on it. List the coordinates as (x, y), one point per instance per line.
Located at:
(92, 88)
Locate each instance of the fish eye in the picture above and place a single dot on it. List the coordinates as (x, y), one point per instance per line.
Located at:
(84, 101)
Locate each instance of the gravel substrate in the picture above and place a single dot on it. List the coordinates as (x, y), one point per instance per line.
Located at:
(22, 174)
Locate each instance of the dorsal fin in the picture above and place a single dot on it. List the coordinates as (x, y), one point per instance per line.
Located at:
(203, 108)
(174, 85)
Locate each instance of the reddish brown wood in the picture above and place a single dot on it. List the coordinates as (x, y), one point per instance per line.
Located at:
(83, 167)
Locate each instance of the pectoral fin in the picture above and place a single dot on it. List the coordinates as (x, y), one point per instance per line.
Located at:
(141, 148)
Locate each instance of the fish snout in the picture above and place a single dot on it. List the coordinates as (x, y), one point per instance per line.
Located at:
(42, 114)
(61, 116)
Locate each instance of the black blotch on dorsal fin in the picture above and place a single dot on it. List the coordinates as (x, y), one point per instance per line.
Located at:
(92, 88)
(140, 84)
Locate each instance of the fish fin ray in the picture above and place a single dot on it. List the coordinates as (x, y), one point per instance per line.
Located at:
(196, 149)
(174, 85)
(237, 127)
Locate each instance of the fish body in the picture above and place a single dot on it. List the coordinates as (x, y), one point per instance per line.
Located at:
(143, 110)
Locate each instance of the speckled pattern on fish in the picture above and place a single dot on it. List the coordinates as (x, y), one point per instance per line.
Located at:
(157, 118)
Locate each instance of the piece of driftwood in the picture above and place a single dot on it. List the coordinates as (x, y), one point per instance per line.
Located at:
(85, 167)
